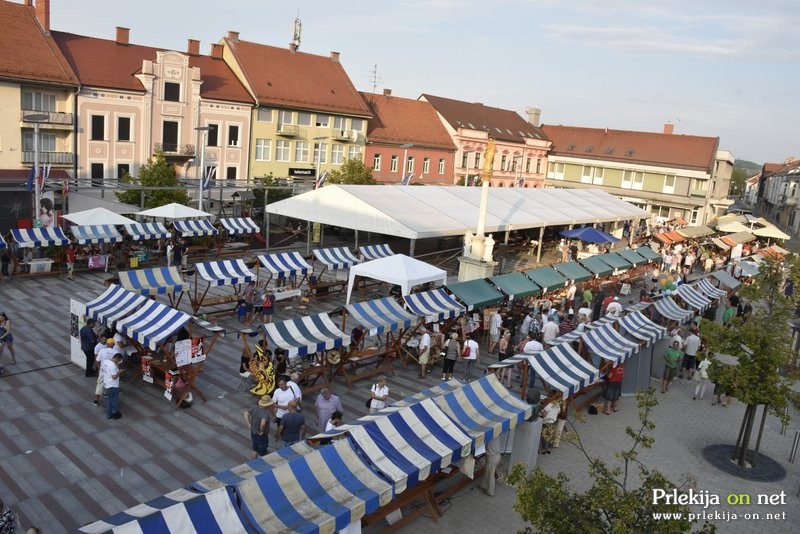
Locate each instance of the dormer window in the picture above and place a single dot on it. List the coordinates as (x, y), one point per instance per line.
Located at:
(172, 92)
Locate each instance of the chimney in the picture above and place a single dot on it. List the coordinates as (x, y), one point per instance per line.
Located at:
(335, 57)
(669, 128)
(387, 92)
(233, 36)
(193, 47)
(43, 14)
(293, 47)
(534, 116)
(122, 35)
(216, 50)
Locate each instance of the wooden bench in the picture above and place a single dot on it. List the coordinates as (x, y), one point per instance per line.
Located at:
(326, 287)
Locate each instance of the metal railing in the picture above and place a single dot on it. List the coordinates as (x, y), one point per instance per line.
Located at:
(53, 117)
(57, 158)
(288, 130)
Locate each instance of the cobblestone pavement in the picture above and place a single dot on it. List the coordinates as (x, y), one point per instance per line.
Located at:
(63, 465)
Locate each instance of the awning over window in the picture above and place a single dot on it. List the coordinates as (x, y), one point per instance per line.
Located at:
(225, 273)
(434, 305)
(142, 231)
(633, 256)
(39, 237)
(154, 281)
(597, 266)
(240, 226)
(572, 270)
(195, 228)
(638, 326)
(285, 264)
(374, 252)
(546, 278)
(380, 315)
(104, 233)
(336, 258)
(306, 335)
(515, 285)
(476, 293)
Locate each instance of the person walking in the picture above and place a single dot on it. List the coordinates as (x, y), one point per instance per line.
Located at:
(111, 372)
(292, 427)
(424, 352)
(6, 338)
(327, 403)
(613, 388)
(672, 359)
(249, 297)
(471, 356)
(495, 323)
(88, 339)
(701, 377)
(257, 418)
(268, 306)
(502, 351)
(451, 353)
(691, 345)
(378, 394)
(70, 258)
(493, 451)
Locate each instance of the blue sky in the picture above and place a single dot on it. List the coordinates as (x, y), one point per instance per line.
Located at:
(725, 68)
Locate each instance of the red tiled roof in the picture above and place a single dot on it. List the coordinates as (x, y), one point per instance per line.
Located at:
(772, 169)
(104, 63)
(502, 124)
(281, 78)
(29, 54)
(402, 120)
(672, 150)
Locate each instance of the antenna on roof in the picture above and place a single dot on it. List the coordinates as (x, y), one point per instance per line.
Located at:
(374, 78)
(297, 33)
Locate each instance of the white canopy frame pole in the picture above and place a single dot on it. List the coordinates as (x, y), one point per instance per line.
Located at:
(539, 246)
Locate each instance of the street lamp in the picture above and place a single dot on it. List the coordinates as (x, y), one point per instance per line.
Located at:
(465, 160)
(36, 118)
(405, 148)
(202, 172)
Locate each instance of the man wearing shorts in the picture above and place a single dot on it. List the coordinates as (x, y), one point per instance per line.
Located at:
(424, 352)
(672, 359)
(690, 347)
(495, 323)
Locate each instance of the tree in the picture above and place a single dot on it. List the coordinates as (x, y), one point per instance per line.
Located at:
(762, 345)
(738, 182)
(475, 180)
(274, 191)
(156, 174)
(352, 171)
(611, 505)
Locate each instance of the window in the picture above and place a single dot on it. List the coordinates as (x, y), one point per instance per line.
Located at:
(98, 128)
(693, 216)
(97, 174)
(337, 154)
(555, 171)
(339, 123)
(36, 101)
(586, 175)
(410, 164)
(637, 181)
(503, 159)
(264, 115)
(426, 165)
(538, 165)
(233, 135)
(477, 160)
(321, 153)
(263, 149)
(230, 173)
(376, 162)
(669, 184)
(357, 124)
(441, 166)
(169, 131)
(285, 117)
(597, 177)
(303, 118)
(301, 151)
(282, 150)
(393, 165)
(354, 152)
(323, 120)
(172, 92)
(123, 128)
(47, 142)
(465, 160)
(212, 139)
(528, 165)
(699, 185)
(122, 170)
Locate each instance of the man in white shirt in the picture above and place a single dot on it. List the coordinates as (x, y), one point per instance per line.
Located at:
(690, 347)
(102, 354)
(614, 308)
(525, 329)
(283, 396)
(110, 372)
(585, 312)
(495, 323)
(532, 346)
(424, 352)
(471, 358)
(549, 332)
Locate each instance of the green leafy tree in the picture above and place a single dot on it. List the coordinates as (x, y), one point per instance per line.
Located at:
(268, 185)
(476, 178)
(761, 343)
(738, 179)
(352, 171)
(611, 505)
(156, 174)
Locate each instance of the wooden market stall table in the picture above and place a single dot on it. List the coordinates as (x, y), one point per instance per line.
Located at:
(219, 273)
(381, 356)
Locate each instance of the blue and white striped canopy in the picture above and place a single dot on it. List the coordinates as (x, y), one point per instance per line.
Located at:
(610, 344)
(576, 334)
(39, 237)
(153, 323)
(694, 298)
(708, 289)
(225, 272)
(380, 315)
(336, 258)
(569, 337)
(178, 511)
(2, 243)
(152, 230)
(155, 281)
(638, 326)
(602, 321)
(306, 335)
(195, 228)
(669, 308)
(240, 225)
(374, 252)
(407, 444)
(320, 492)
(560, 367)
(102, 233)
(285, 264)
(439, 389)
(434, 305)
(242, 472)
(639, 306)
(114, 304)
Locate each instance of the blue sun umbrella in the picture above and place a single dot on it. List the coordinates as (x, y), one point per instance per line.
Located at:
(590, 235)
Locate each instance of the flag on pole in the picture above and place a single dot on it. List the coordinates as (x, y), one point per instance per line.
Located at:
(65, 189)
(29, 185)
(320, 181)
(45, 173)
(209, 175)
(407, 178)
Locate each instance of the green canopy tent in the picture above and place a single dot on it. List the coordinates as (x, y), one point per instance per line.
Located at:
(648, 253)
(616, 261)
(546, 278)
(632, 256)
(572, 270)
(476, 293)
(515, 285)
(597, 266)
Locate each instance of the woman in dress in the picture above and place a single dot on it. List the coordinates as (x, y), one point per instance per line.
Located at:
(6, 338)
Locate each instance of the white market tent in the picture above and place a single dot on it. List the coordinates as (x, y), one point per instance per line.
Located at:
(97, 217)
(397, 269)
(435, 211)
(174, 211)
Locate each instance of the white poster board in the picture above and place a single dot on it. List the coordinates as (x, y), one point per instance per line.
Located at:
(77, 320)
(183, 352)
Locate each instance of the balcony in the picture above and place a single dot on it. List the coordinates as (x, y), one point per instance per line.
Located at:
(288, 130)
(54, 158)
(174, 149)
(53, 117)
(342, 135)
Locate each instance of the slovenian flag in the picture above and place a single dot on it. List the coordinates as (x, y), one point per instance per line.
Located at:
(210, 173)
(407, 178)
(320, 181)
(29, 185)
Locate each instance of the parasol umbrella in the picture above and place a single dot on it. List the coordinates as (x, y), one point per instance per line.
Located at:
(590, 235)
